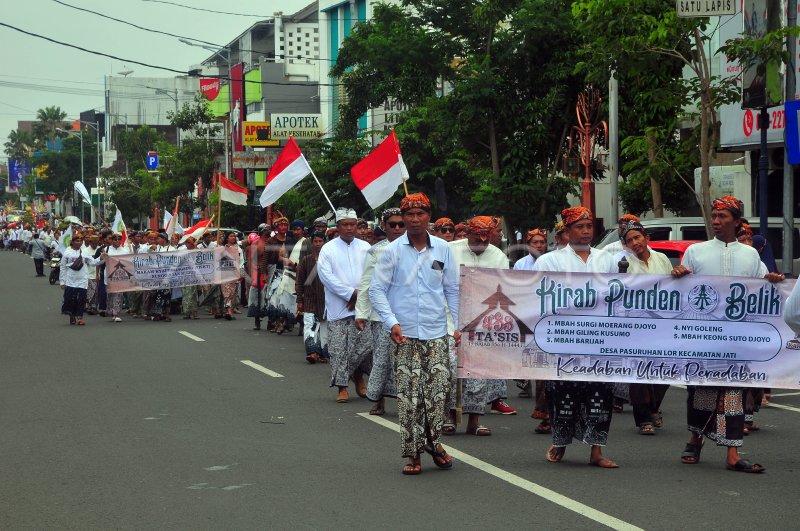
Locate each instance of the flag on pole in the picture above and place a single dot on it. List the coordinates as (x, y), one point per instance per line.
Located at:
(197, 230)
(232, 192)
(380, 173)
(171, 224)
(81, 189)
(290, 168)
(118, 225)
(65, 240)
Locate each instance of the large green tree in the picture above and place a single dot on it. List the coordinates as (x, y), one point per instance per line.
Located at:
(48, 121)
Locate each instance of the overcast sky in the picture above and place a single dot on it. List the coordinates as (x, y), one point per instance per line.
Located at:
(59, 72)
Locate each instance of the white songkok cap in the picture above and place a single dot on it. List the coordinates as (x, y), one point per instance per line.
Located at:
(345, 213)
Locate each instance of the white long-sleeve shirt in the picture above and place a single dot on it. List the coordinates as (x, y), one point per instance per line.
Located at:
(716, 257)
(363, 306)
(567, 261)
(340, 266)
(76, 279)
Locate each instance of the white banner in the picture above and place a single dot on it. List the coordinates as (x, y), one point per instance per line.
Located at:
(696, 330)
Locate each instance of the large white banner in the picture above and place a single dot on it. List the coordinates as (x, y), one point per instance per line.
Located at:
(696, 330)
(173, 269)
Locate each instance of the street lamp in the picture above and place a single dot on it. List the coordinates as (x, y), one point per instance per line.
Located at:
(80, 134)
(96, 127)
(174, 98)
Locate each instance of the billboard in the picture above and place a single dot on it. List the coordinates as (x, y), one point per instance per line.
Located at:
(258, 134)
(762, 83)
(300, 126)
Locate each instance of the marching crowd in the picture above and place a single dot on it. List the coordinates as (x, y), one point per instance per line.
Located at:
(381, 307)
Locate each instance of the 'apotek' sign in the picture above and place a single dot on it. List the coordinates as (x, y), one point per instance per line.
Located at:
(300, 126)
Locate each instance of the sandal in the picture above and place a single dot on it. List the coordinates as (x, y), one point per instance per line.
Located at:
(377, 411)
(80, 322)
(691, 454)
(480, 431)
(312, 358)
(412, 469)
(743, 465)
(440, 457)
(555, 454)
(604, 463)
(448, 428)
(544, 428)
(647, 429)
(658, 420)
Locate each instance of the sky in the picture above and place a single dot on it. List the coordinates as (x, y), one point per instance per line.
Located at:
(73, 79)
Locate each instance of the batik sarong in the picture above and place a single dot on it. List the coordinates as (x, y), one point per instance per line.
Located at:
(717, 413)
(315, 336)
(580, 410)
(189, 300)
(381, 377)
(474, 391)
(74, 302)
(646, 401)
(257, 302)
(91, 295)
(229, 294)
(114, 303)
(752, 403)
(423, 381)
(347, 354)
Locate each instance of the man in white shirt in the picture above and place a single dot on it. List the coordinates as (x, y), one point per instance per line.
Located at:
(718, 412)
(536, 239)
(476, 251)
(340, 266)
(580, 410)
(416, 279)
(617, 248)
(381, 378)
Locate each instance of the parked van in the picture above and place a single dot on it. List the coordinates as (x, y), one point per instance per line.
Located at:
(693, 228)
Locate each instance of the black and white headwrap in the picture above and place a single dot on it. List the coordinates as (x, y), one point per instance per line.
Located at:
(629, 226)
(389, 212)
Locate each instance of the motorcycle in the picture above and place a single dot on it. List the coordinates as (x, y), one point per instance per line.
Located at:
(55, 267)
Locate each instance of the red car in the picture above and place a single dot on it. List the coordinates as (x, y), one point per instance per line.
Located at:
(674, 249)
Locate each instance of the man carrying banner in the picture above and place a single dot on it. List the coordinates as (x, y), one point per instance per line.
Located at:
(645, 398)
(381, 377)
(476, 251)
(718, 412)
(340, 266)
(580, 410)
(414, 280)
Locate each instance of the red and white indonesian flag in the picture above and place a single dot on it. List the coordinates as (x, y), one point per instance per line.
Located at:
(231, 192)
(290, 168)
(118, 225)
(196, 231)
(381, 172)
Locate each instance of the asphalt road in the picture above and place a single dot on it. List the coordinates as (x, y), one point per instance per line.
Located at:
(137, 426)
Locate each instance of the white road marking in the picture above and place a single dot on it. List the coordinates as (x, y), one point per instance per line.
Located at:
(786, 394)
(781, 406)
(190, 336)
(533, 488)
(259, 368)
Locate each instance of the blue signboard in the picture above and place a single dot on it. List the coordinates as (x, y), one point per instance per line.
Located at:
(152, 160)
(17, 170)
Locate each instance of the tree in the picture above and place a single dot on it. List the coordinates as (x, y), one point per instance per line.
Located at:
(48, 120)
(134, 195)
(134, 144)
(493, 141)
(19, 145)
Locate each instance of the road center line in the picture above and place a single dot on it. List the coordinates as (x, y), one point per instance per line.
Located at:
(533, 488)
(190, 336)
(781, 406)
(259, 368)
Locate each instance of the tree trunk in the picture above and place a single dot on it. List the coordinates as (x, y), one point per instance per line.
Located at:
(493, 146)
(707, 146)
(655, 186)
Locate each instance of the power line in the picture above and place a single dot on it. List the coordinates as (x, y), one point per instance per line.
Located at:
(132, 24)
(207, 10)
(92, 51)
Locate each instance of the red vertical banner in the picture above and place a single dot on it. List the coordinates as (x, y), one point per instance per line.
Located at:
(238, 115)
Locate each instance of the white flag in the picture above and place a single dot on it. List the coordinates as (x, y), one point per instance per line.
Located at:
(81, 189)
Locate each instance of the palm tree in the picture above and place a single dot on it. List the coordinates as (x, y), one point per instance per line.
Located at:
(48, 120)
(19, 145)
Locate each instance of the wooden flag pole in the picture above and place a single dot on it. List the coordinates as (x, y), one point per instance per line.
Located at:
(219, 205)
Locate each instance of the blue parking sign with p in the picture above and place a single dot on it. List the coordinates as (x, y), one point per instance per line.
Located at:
(152, 160)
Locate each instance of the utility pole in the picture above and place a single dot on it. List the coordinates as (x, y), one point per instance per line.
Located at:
(788, 169)
(613, 143)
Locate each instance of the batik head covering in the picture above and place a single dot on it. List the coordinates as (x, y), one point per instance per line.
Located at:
(629, 226)
(481, 225)
(278, 221)
(319, 234)
(321, 221)
(361, 222)
(573, 214)
(461, 227)
(535, 232)
(730, 203)
(744, 230)
(441, 222)
(389, 212)
(163, 235)
(418, 200)
(627, 217)
(559, 228)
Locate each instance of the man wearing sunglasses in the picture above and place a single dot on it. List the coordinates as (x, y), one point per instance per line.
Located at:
(445, 229)
(381, 379)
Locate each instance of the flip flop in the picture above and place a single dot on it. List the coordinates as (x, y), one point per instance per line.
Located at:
(555, 454)
(480, 431)
(448, 428)
(691, 451)
(411, 469)
(544, 428)
(647, 429)
(439, 457)
(604, 463)
(743, 465)
(377, 411)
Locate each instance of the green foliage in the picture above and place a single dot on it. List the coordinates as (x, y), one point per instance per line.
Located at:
(133, 145)
(134, 195)
(20, 145)
(48, 120)
(195, 116)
